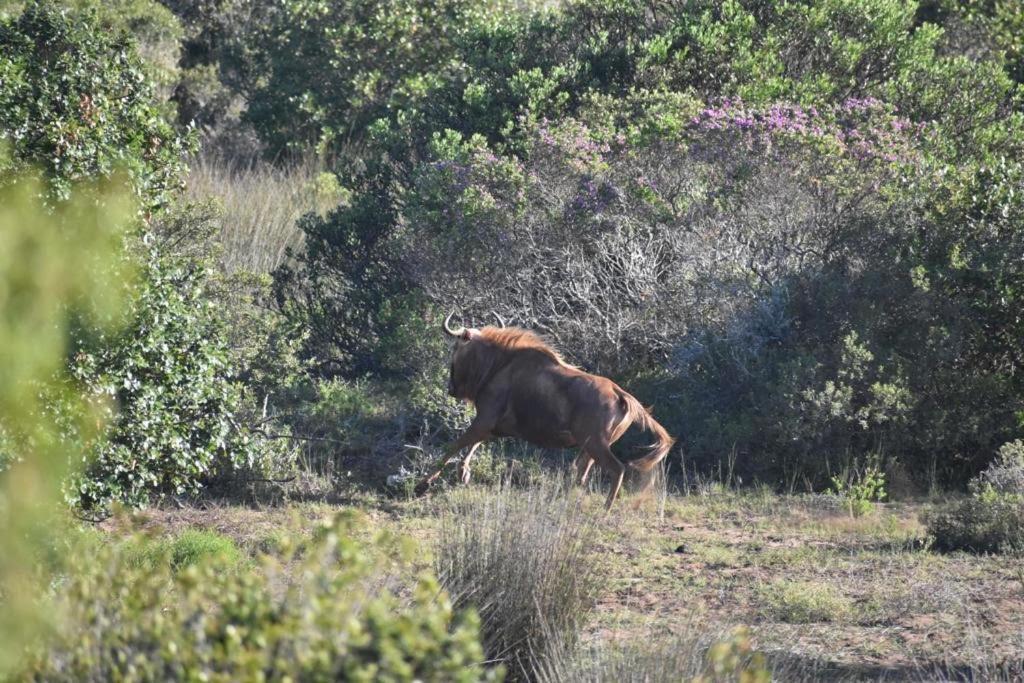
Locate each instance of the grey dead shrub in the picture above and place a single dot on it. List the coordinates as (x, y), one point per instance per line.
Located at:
(522, 559)
(1006, 474)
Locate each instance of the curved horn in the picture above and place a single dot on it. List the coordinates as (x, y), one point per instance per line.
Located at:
(501, 321)
(448, 330)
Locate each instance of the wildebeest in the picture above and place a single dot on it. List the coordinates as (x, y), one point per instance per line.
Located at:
(521, 387)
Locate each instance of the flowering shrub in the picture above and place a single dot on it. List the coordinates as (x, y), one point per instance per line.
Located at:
(859, 130)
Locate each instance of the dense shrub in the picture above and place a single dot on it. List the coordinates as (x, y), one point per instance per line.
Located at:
(378, 65)
(519, 557)
(985, 523)
(176, 394)
(490, 67)
(759, 226)
(76, 100)
(340, 619)
(361, 312)
(1006, 473)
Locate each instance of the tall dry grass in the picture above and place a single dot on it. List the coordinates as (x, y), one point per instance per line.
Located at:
(260, 203)
(522, 559)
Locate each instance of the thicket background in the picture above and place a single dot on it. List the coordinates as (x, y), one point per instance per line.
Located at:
(794, 228)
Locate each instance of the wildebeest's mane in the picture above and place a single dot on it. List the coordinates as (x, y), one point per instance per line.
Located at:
(516, 338)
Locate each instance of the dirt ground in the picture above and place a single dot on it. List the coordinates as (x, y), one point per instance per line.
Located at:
(857, 598)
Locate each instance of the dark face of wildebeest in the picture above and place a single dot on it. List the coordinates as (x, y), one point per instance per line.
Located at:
(467, 360)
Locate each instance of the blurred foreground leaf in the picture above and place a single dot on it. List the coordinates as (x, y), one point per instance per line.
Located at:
(58, 266)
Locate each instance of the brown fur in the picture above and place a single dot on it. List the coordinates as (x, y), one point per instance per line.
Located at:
(523, 388)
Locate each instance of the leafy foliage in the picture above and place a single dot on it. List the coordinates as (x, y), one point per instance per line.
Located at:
(752, 206)
(76, 101)
(860, 490)
(174, 397)
(80, 105)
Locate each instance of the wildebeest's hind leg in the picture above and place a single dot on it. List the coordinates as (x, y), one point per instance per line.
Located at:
(602, 453)
(581, 466)
(472, 437)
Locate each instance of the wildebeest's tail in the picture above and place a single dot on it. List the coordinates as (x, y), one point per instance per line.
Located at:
(638, 415)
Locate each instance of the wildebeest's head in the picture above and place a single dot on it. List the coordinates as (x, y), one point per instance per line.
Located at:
(466, 360)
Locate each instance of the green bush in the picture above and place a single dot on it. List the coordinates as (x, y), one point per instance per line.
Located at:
(992, 523)
(55, 264)
(339, 619)
(860, 489)
(177, 397)
(75, 99)
(871, 309)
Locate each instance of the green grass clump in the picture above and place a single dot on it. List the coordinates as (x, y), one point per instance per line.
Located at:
(196, 545)
(804, 602)
(190, 547)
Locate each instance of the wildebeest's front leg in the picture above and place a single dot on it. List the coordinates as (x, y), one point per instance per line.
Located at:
(464, 467)
(472, 437)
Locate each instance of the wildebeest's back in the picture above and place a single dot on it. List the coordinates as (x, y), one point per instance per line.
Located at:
(546, 398)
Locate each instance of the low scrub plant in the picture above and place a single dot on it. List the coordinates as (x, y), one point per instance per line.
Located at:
(860, 490)
(991, 520)
(521, 559)
(804, 602)
(339, 617)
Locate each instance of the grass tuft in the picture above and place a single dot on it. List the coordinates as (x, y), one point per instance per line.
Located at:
(522, 559)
